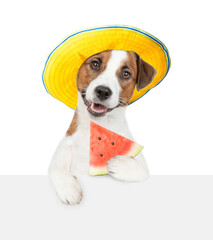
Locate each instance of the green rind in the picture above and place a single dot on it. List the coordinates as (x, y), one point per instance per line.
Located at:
(97, 171)
(136, 150)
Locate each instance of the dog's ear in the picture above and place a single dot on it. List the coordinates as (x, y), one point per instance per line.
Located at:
(145, 74)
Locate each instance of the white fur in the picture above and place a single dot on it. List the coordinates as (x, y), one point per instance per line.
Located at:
(128, 168)
(72, 155)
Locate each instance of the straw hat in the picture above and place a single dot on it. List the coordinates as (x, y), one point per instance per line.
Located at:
(63, 63)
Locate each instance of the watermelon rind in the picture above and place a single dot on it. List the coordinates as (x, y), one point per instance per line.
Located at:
(94, 171)
(135, 150)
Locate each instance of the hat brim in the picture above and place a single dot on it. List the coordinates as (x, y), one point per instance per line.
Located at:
(63, 63)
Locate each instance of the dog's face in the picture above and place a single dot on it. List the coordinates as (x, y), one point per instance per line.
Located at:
(107, 80)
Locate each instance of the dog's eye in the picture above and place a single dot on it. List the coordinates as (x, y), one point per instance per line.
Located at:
(125, 75)
(95, 65)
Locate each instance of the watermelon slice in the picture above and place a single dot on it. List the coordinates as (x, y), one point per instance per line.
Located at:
(105, 144)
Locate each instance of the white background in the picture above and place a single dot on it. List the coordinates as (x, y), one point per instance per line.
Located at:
(173, 121)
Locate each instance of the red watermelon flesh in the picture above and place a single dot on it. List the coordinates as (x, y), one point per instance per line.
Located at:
(105, 144)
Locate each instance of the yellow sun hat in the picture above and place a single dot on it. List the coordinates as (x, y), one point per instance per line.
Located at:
(63, 63)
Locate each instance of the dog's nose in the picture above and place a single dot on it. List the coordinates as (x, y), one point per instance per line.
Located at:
(103, 92)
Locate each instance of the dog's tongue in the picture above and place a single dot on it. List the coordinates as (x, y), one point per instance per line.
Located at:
(98, 107)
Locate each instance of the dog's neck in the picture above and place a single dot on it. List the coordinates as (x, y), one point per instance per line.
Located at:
(114, 120)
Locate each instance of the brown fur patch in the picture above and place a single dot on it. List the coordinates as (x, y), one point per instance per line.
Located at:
(146, 73)
(127, 85)
(86, 74)
(73, 126)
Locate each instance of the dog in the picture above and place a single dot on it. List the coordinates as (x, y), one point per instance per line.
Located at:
(105, 83)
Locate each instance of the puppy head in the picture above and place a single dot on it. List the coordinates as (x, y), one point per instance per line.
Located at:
(107, 80)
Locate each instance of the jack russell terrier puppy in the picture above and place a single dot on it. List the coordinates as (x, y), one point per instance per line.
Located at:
(105, 83)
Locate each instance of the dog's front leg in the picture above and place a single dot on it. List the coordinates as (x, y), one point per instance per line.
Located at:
(66, 185)
(128, 168)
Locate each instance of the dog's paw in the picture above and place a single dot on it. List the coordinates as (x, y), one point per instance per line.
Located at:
(127, 169)
(67, 188)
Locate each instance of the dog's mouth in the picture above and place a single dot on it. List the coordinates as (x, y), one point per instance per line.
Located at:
(96, 109)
